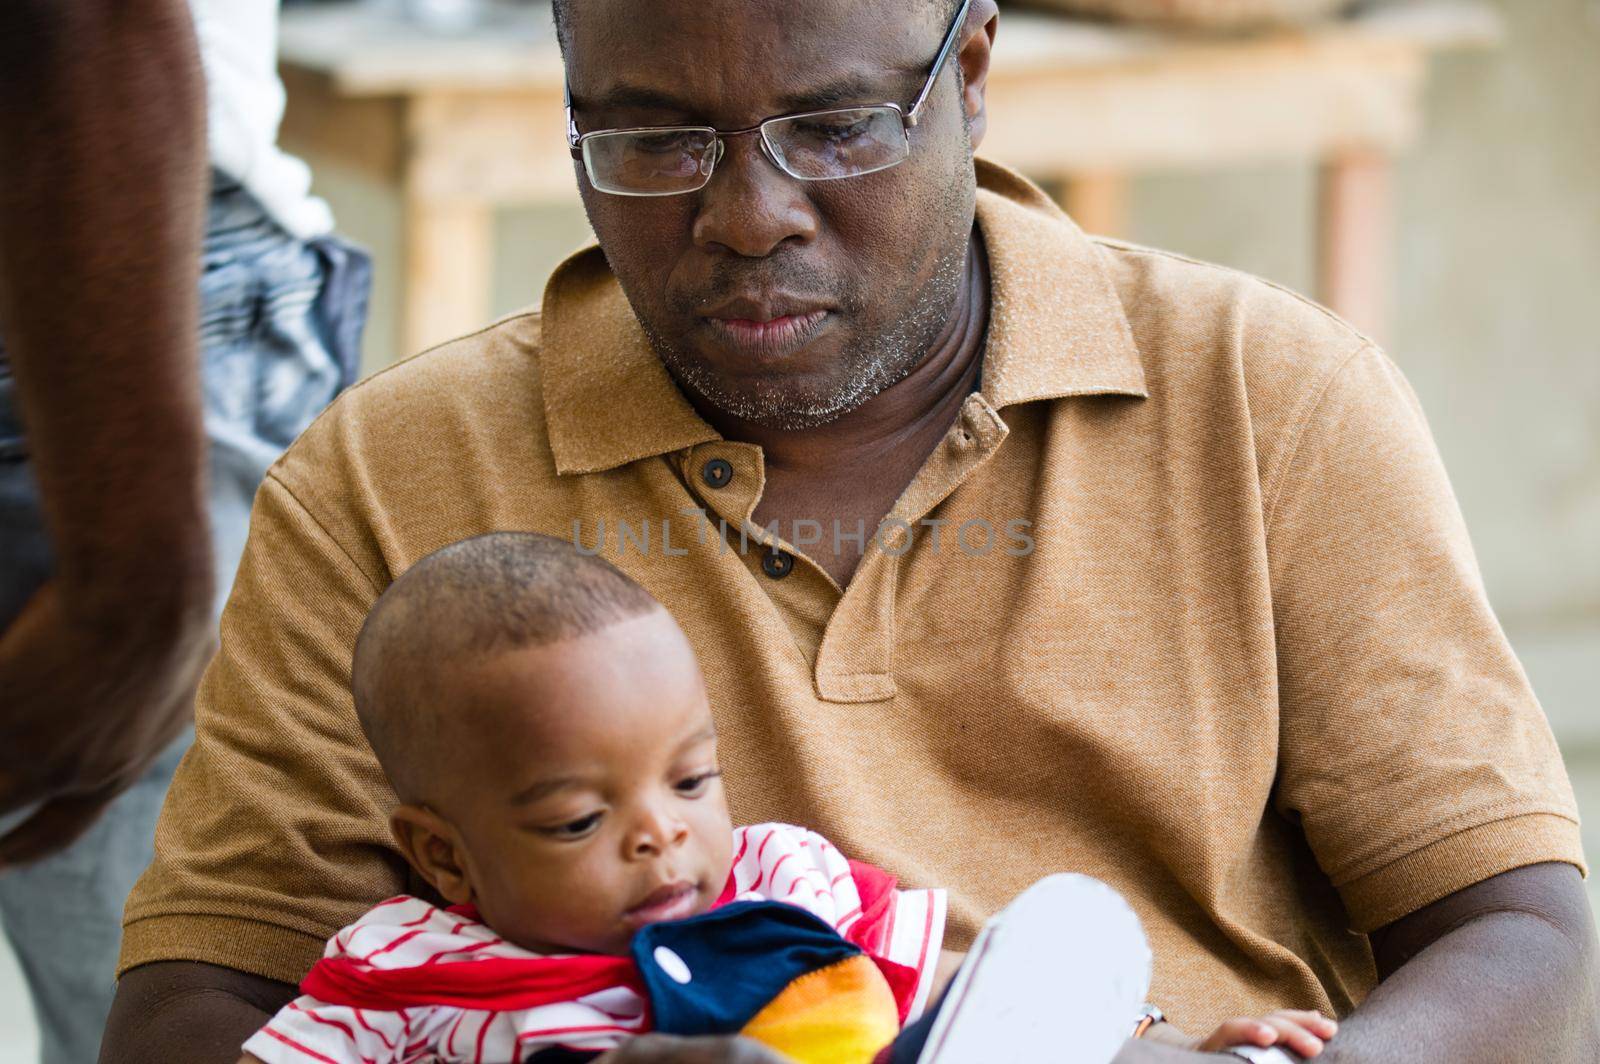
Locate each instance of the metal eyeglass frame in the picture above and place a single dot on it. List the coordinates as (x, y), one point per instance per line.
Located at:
(907, 120)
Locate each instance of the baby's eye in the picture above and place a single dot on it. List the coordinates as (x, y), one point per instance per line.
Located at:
(575, 829)
(696, 785)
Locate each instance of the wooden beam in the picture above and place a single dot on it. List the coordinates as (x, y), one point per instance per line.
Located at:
(321, 123)
(1355, 234)
(1098, 202)
(449, 258)
(1207, 109)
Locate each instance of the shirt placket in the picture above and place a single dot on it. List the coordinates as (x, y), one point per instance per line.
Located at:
(855, 662)
(728, 478)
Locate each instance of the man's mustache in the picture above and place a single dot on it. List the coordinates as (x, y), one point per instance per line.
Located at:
(791, 277)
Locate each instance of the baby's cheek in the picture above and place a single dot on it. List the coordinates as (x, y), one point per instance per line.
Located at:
(591, 899)
(569, 917)
(549, 900)
(715, 830)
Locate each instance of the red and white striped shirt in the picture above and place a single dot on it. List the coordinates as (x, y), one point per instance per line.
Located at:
(500, 1003)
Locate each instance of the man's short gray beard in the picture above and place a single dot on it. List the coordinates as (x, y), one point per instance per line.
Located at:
(875, 365)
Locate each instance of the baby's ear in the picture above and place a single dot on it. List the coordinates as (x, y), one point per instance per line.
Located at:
(431, 844)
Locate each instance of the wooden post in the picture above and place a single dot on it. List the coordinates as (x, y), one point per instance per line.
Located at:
(1098, 202)
(1355, 235)
(449, 256)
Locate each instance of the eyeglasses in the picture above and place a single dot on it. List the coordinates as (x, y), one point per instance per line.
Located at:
(810, 146)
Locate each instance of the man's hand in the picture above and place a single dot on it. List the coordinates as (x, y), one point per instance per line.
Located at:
(667, 1049)
(1146, 1051)
(70, 679)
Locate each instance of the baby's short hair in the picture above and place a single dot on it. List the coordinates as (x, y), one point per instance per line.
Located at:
(482, 596)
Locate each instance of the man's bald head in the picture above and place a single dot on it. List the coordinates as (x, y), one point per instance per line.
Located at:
(483, 596)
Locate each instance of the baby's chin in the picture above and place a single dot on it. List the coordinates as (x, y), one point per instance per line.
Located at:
(555, 946)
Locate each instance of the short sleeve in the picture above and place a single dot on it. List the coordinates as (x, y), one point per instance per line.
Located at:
(308, 1031)
(274, 834)
(903, 927)
(1412, 749)
(780, 862)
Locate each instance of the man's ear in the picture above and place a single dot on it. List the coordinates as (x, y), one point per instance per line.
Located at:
(977, 45)
(432, 845)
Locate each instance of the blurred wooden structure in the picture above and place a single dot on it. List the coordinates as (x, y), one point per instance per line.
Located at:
(460, 126)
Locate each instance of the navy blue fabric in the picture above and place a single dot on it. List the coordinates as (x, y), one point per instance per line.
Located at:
(739, 957)
(913, 1037)
(564, 1055)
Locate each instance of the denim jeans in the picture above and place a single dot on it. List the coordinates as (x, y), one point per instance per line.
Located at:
(280, 329)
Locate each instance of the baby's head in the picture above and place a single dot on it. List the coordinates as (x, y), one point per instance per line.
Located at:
(545, 725)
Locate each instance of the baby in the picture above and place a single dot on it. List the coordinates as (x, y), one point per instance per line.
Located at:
(545, 726)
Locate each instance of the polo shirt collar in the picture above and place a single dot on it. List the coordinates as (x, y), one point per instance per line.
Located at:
(1056, 329)
(1056, 324)
(608, 399)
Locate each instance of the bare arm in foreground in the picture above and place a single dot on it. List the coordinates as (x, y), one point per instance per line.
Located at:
(102, 129)
(1508, 969)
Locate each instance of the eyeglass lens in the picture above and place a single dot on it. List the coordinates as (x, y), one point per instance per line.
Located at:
(820, 146)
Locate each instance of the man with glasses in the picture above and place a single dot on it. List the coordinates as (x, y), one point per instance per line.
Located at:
(1004, 550)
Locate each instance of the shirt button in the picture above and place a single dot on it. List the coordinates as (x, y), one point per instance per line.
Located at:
(777, 564)
(717, 473)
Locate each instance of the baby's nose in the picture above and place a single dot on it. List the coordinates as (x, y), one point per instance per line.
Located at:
(659, 832)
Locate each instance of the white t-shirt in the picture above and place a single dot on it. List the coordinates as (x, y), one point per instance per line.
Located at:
(239, 49)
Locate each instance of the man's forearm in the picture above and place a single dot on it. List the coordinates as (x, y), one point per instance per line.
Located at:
(1505, 970)
(1503, 987)
(102, 187)
(196, 1013)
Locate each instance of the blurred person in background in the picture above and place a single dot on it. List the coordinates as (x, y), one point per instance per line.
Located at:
(168, 324)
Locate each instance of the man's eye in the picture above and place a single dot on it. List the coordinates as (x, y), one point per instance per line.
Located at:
(665, 143)
(835, 131)
(574, 829)
(694, 786)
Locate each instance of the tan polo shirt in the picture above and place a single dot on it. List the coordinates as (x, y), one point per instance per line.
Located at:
(1236, 659)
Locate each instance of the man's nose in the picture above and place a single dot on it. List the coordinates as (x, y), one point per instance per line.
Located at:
(656, 831)
(750, 207)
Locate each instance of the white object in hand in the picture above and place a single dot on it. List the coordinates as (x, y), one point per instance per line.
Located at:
(1056, 975)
